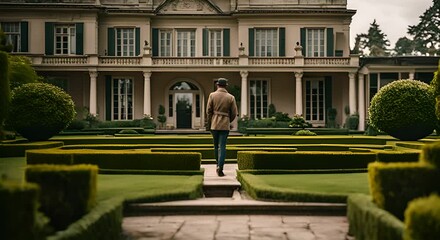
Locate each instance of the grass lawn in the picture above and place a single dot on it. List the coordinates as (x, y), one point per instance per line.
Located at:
(129, 187)
(305, 187)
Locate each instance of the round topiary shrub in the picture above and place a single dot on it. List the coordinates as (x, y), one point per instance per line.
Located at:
(40, 110)
(405, 109)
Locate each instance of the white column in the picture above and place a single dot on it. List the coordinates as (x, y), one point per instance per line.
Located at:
(244, 91)
(147, 93)
(352, 92)
(411, 75)
(299, 90)
(92, 100)
(361, 101)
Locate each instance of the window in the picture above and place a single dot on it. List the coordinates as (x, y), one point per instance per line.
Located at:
(186, 43)
(266, 42)
(215, 43)
(258, 94)
(165, 43)
(315, 100)
(315, 43)
(122, 99)
(125, 42)
(13, 36)
(65, 39)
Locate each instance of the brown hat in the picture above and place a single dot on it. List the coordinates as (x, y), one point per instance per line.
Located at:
(222, 82)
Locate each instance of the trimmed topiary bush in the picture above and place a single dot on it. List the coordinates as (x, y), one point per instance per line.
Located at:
(40, 110)
(305, 133)
(67, 192)
(431, 154)
(405, 109)
(422, 219)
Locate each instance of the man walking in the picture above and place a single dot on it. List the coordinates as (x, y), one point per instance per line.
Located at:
(221, 110)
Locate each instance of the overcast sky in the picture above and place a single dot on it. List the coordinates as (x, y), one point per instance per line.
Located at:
(393, 16)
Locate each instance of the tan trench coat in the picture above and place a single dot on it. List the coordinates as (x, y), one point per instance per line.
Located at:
(221, 110)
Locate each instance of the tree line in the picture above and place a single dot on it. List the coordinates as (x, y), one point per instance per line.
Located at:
(425, 37)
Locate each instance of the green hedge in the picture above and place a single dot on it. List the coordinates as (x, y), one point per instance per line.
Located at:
(103, 222)
(18, 149)
(369, 222)
(431, 154)
(67, 192)
(303, 160)
(18, 208)
(393, 185)
(398, 156)
(258, 189)
(422, 219)
(118, 159)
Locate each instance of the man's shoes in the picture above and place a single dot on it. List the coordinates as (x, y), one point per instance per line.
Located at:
(220, 172)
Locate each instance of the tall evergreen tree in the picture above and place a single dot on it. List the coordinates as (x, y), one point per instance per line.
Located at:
(427, 32)
(375, 41)
(404, 46)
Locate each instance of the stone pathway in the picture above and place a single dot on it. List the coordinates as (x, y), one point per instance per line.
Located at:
(235, 227)
(166, 224)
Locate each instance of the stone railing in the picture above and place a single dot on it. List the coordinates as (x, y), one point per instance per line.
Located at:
(330, 61)
(271, 61)
(195, 61)
(64, 60)
(120, 61)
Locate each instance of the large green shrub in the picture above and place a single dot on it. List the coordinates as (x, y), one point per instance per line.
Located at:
(405, 109)
(40, 110)
(67, 192)
(393, 185)
(18, 210)
(21, 71)
(5, 93)
(422, 219)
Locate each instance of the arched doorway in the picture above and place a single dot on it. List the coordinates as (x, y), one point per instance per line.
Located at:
(185, 104)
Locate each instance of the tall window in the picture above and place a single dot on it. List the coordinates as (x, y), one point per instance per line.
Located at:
(315, 100)
(12, 32)
(65, 39)
(215, 43)
(125, 42)
(315, 43)
(122, 99)
(266, 42)
(165, 43)
(186, 43)
(258, 94)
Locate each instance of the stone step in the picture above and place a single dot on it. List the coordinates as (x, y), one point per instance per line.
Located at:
(220, 189)
(237, 204)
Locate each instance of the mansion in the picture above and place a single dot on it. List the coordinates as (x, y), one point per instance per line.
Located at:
(122, 59)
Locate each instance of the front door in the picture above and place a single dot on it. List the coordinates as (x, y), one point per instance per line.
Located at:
(184, 103)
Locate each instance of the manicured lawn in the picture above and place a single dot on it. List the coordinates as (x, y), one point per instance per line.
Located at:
(129, 187)
(305, 187)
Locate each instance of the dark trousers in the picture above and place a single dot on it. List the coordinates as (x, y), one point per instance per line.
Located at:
(220, 137)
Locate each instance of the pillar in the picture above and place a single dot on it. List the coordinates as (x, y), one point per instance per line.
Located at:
(299, 90)
(92, 100)
(244, 91)
(361, 101)
(352, 92)
(147, 93)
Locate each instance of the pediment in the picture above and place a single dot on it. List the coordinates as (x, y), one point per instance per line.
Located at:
(188, 7)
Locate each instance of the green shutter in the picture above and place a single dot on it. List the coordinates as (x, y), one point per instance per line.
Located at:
(282, 42)
(80, 39)
(328, 92)
(137, 33)
(303, 41)
(205, 42)
(251, 42)
(155, 42)
(49, 35)
(330, 42)
(226, 42)
(108, 97)
(111, 41)
(24, 34)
